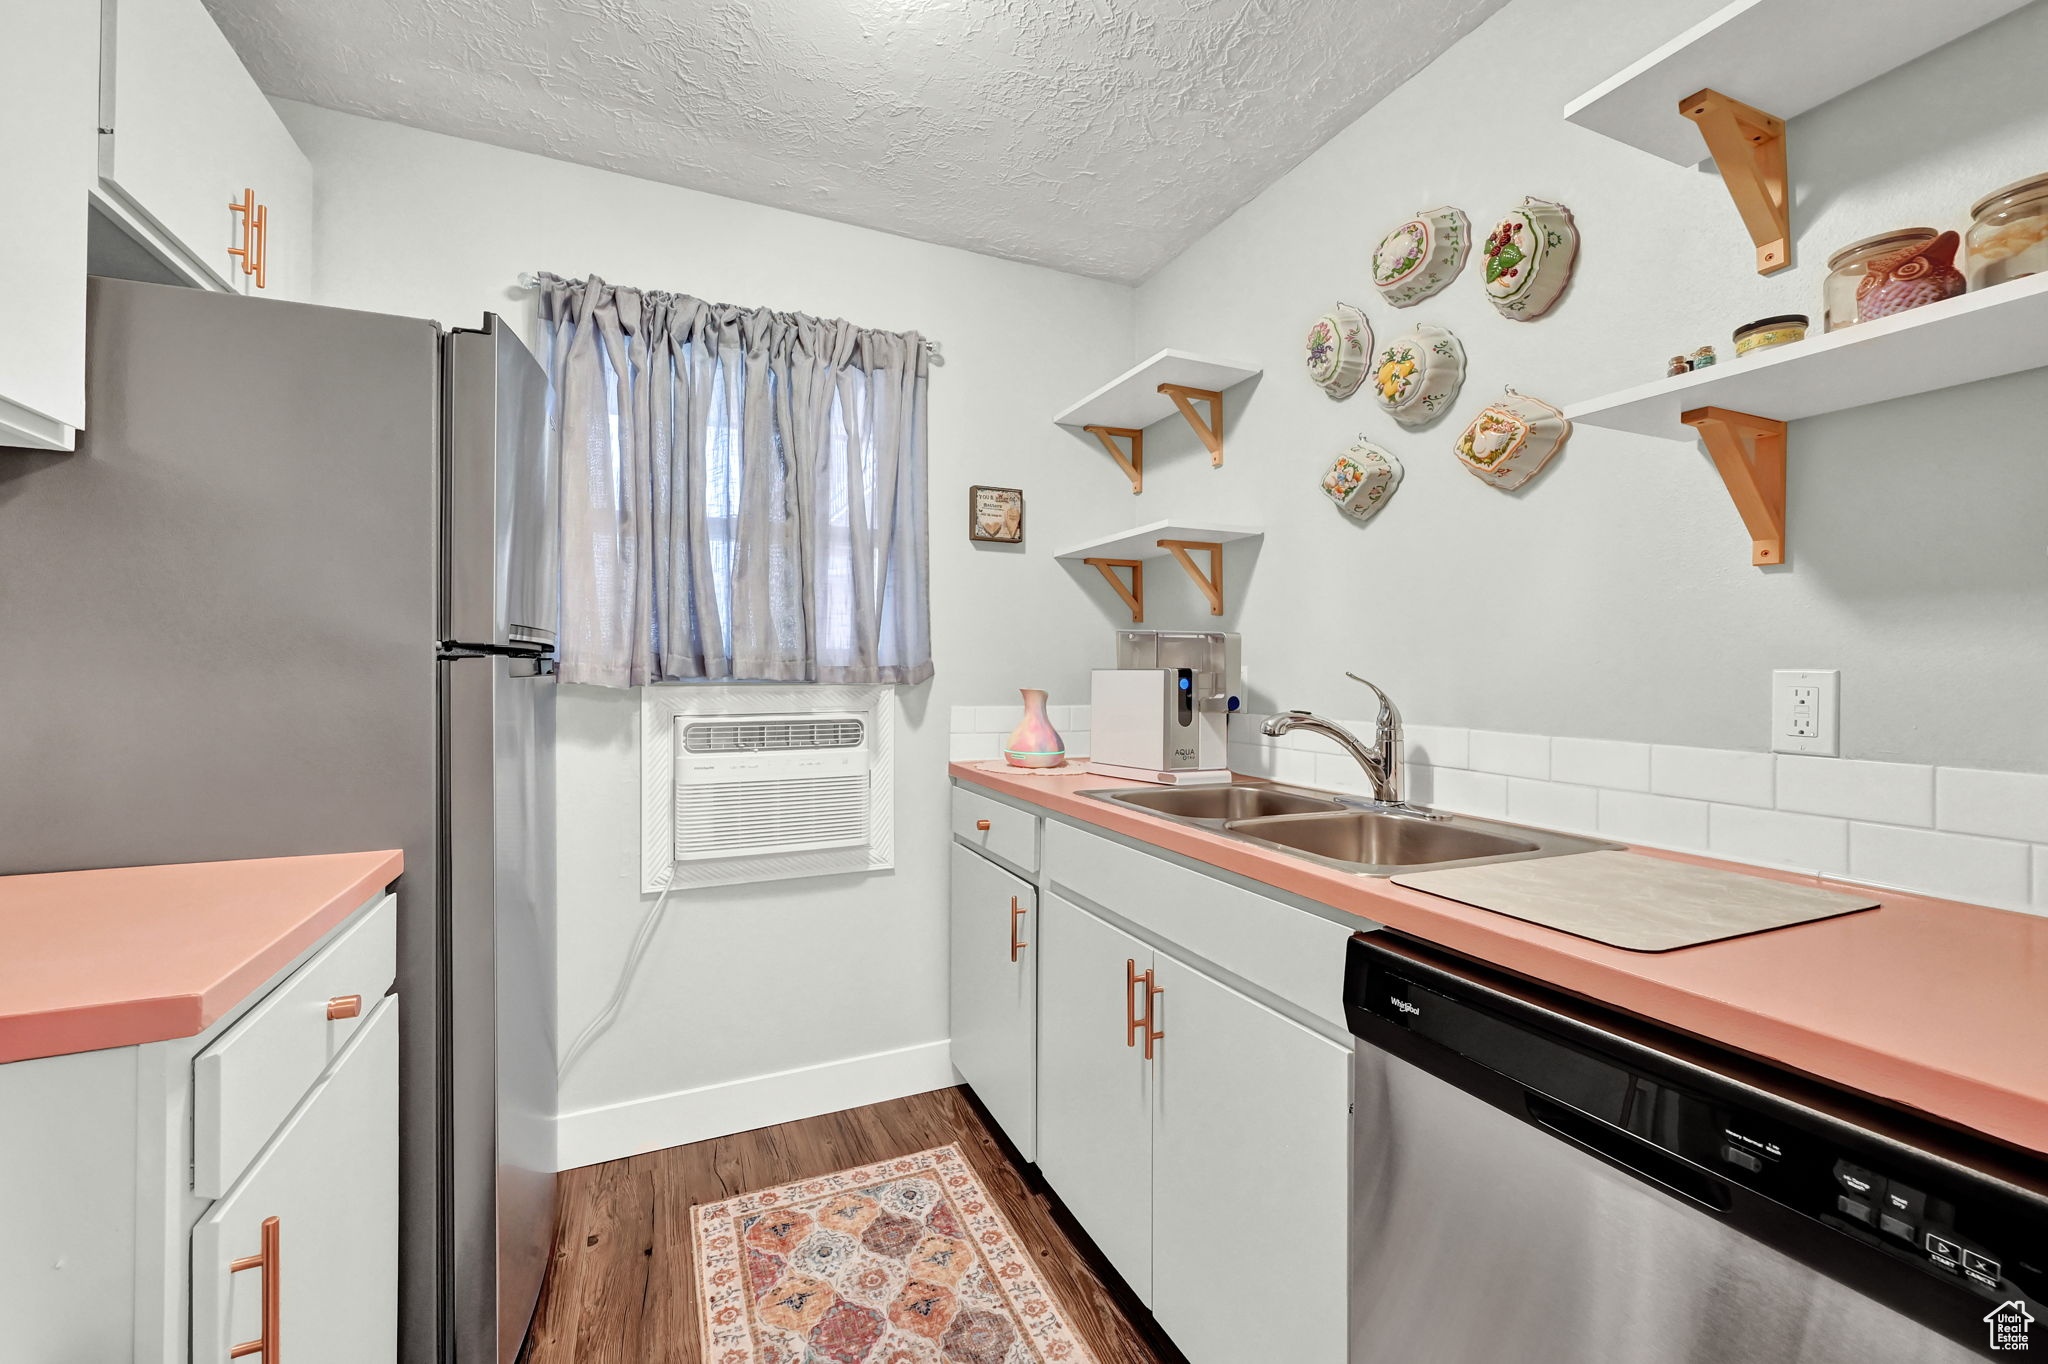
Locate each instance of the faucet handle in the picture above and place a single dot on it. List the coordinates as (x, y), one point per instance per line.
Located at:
(1386, 702)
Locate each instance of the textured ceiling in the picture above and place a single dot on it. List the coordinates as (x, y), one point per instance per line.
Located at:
(1095, 136)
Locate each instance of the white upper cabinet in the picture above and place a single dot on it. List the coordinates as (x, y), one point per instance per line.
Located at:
(186, 138)
(46, 169)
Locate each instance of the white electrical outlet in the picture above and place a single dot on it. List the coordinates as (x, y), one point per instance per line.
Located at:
(1806, 712)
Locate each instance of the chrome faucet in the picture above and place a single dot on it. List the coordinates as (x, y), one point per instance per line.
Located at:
(1381, 761)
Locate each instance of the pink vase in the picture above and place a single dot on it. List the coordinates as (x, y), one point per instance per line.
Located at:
(1034, 742)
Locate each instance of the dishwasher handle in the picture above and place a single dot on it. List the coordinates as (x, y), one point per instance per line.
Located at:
(1641, 1158)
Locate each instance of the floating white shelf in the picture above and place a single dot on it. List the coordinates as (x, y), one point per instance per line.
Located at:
(2001, 330)
(1142, 542)
(1133, 401)
(1129, 549)
(1172, 380)
(1739, 408)
(1784, 56)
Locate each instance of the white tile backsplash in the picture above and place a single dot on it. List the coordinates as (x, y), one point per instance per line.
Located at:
(1957, 832)
(1778, 838)
(1658, 821)
(1601, 762)
(1510, 755)
(1437, 746)
(1998, 804)
(1553, 805)
(1985, 871)
(1884, 793)
(1726, 775)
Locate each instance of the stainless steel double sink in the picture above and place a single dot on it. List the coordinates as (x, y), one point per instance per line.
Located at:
(1351, 835)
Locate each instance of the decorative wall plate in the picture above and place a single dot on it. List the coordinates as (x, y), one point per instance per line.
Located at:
(1362, 479)
(1416, 377)
(1421, 256)
(1511, 439)
(1339, 344)
(1529, 257)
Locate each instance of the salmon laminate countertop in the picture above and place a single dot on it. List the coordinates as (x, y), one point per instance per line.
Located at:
(1925, 1003)
(124, 955)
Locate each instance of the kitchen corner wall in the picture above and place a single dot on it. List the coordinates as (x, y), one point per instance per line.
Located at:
(1613, 598)
(756, 1004)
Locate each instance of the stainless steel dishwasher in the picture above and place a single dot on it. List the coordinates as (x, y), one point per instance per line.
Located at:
(1539, 1180)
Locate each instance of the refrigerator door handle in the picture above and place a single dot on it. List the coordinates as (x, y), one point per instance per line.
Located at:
(453, 649)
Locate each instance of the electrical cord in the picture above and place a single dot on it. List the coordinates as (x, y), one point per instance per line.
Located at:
(609, 1014)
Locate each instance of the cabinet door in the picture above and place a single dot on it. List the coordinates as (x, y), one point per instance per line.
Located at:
(1250, 1178)
(46, 167)
(330, 1179)
(191, 132)
(1094, 1090)
(994, 991)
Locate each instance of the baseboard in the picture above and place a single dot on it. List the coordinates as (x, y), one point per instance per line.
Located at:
(662, 1120)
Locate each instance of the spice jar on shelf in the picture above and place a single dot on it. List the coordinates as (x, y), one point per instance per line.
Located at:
(1846, 269)
(2008, 236)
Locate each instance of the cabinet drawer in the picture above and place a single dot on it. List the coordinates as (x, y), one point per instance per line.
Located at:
(1002, 831)
(250, 1078)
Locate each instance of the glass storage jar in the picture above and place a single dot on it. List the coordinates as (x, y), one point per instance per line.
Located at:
(1845, 271)
(2008, 236)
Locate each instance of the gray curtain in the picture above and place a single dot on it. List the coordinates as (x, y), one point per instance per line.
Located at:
(743, 491)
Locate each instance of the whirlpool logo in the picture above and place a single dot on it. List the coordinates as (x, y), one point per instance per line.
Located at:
(2010, 1324)
(1403, 1006)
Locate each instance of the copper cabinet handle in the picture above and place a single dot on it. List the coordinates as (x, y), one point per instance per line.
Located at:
(981, 824)
(1131, 1022)
(344, 1006)
(269, 1261)
(245, 207)
(1152, 993)
(1017, 912)
(263, 251)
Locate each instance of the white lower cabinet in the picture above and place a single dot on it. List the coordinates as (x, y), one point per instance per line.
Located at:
(1250, 1173)
(993, 991)
(1094, 1086)
(318, 1213)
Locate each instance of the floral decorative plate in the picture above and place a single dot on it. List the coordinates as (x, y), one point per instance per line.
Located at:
(1421, 256)
(1529, 257)
(1362, 479)
(1338, 343)
(1511, 439)
(1416, 376)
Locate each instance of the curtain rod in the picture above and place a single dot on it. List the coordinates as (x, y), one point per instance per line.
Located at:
(529, 280)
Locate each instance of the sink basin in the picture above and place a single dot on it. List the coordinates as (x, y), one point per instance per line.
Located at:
(1223, 802)
(1346, 832)
(1366, 838)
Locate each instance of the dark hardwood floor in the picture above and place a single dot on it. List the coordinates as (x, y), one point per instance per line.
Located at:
(620, 1286)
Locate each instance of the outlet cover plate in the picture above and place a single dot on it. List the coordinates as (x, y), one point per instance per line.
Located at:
(1806, 711)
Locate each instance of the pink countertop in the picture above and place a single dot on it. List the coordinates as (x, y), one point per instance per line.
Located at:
(1926, 1003)
(92, 959)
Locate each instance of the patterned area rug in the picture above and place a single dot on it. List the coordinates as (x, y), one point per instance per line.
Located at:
(905, 1262)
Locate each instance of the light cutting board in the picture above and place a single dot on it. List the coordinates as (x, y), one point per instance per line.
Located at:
(1645, 904)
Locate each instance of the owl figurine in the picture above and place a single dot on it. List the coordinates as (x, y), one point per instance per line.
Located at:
(1907, 279)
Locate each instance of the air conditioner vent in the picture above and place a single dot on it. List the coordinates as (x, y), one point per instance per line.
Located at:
(770, 736)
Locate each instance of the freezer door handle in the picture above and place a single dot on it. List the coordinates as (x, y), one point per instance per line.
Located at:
(1640, 1158)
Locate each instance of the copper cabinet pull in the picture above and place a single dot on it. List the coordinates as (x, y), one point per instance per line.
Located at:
(1131, 1021)
(268, 1260)
(344, 1006)
(981, 824)
(263, 249)
(1017, 912)
(1152, 993)
(245, 208)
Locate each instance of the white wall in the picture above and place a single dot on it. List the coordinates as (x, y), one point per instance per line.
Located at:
(748, 983)
(1613, 597)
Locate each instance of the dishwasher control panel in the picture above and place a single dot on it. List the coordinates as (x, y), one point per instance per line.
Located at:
(1730, 1146)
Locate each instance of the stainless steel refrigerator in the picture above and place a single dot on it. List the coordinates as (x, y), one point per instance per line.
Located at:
(294, 593)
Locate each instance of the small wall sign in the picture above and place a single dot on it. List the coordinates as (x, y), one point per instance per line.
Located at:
(995, 514)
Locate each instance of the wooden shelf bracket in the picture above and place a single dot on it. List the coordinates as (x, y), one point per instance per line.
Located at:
(1749, 147)
(1133, 465)
(1211, 430)
(1134, 595)
(1750, 453)
(1211, 582)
